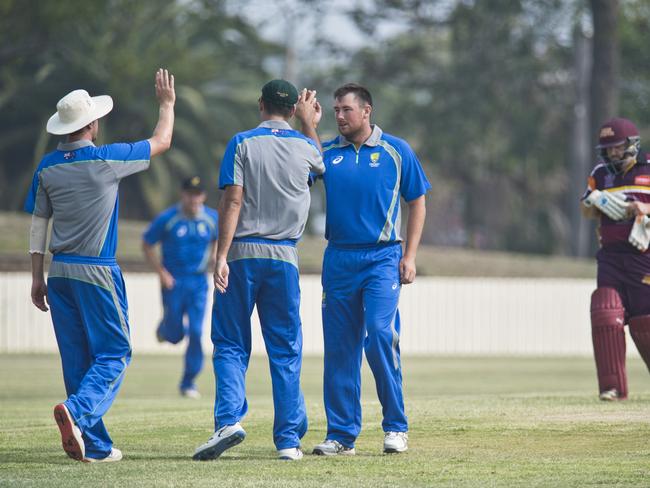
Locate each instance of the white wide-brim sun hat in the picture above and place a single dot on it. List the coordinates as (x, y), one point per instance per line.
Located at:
(76, 110)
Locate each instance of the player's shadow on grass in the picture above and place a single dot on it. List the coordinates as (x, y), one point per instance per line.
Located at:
(26, 456)
(242, 455)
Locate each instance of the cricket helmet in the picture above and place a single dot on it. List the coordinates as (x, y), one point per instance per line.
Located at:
(616, 132)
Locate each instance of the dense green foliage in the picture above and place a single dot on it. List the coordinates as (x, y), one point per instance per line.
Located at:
(483, 90)
(114, 47)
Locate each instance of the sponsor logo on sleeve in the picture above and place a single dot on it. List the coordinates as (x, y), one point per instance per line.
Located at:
(643, 180)
(68, 156)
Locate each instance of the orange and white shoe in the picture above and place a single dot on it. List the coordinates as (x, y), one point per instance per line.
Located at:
(71, 440)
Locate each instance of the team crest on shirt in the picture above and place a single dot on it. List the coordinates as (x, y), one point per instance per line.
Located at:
(646, 280)
(68, 156)
(374, 160)
(202, 229)
(182, 230)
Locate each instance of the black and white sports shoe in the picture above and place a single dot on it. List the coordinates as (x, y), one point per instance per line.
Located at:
(330, 447)
(224, 438)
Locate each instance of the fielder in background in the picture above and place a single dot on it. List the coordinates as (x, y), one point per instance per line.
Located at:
(367, 171)
(188, 234)
(262, 214)
(77, 187)
(617, 195)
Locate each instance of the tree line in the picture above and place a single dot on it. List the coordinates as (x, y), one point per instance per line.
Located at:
(494, 95)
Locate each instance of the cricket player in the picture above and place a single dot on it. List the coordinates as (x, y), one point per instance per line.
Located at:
(262, 214)
(618, 189)
(367, 172)
(77, 187)
(188, 234)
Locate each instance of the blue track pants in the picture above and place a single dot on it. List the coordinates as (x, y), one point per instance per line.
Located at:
(361, 290)
(273, 286)
(88, 303)
(187, 299)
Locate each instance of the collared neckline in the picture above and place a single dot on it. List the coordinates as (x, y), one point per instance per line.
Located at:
(199, 214)
(372, 141)
(275, 124)
(73, 146)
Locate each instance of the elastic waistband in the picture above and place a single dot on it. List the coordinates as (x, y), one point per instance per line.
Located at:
(262, 240)
(76, 259)
(362, 247)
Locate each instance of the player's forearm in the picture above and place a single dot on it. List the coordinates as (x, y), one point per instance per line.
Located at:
(38, 273)
(639, 208)
(414, 226)
(229, 209)
(152, 258)
(38, 235)
(161, 140)
(309, 130)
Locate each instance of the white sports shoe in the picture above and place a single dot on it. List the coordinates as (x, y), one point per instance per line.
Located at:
(290, 454)
(71, 440)
(609, 395)
(395, 442)
(115, 455)
(330, 447)
(192, 393)
(225, 438)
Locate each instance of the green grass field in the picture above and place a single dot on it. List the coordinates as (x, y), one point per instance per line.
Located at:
(474, 422)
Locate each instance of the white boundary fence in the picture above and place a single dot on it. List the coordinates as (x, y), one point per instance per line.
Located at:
(467, 316)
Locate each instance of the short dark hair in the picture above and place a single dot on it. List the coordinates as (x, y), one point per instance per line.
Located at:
(359, 91)
(276, 109)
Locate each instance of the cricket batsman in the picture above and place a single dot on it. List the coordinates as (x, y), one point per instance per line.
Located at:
(618, 192)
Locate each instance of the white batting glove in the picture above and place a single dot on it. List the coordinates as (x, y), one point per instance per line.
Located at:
(612, 205)
(640, 233)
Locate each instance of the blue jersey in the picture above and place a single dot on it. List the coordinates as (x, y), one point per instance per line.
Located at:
(363, 188)
(185, 242)
(77, 185)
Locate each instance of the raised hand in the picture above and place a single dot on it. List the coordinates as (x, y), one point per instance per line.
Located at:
(165, 92)
(308, 110)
